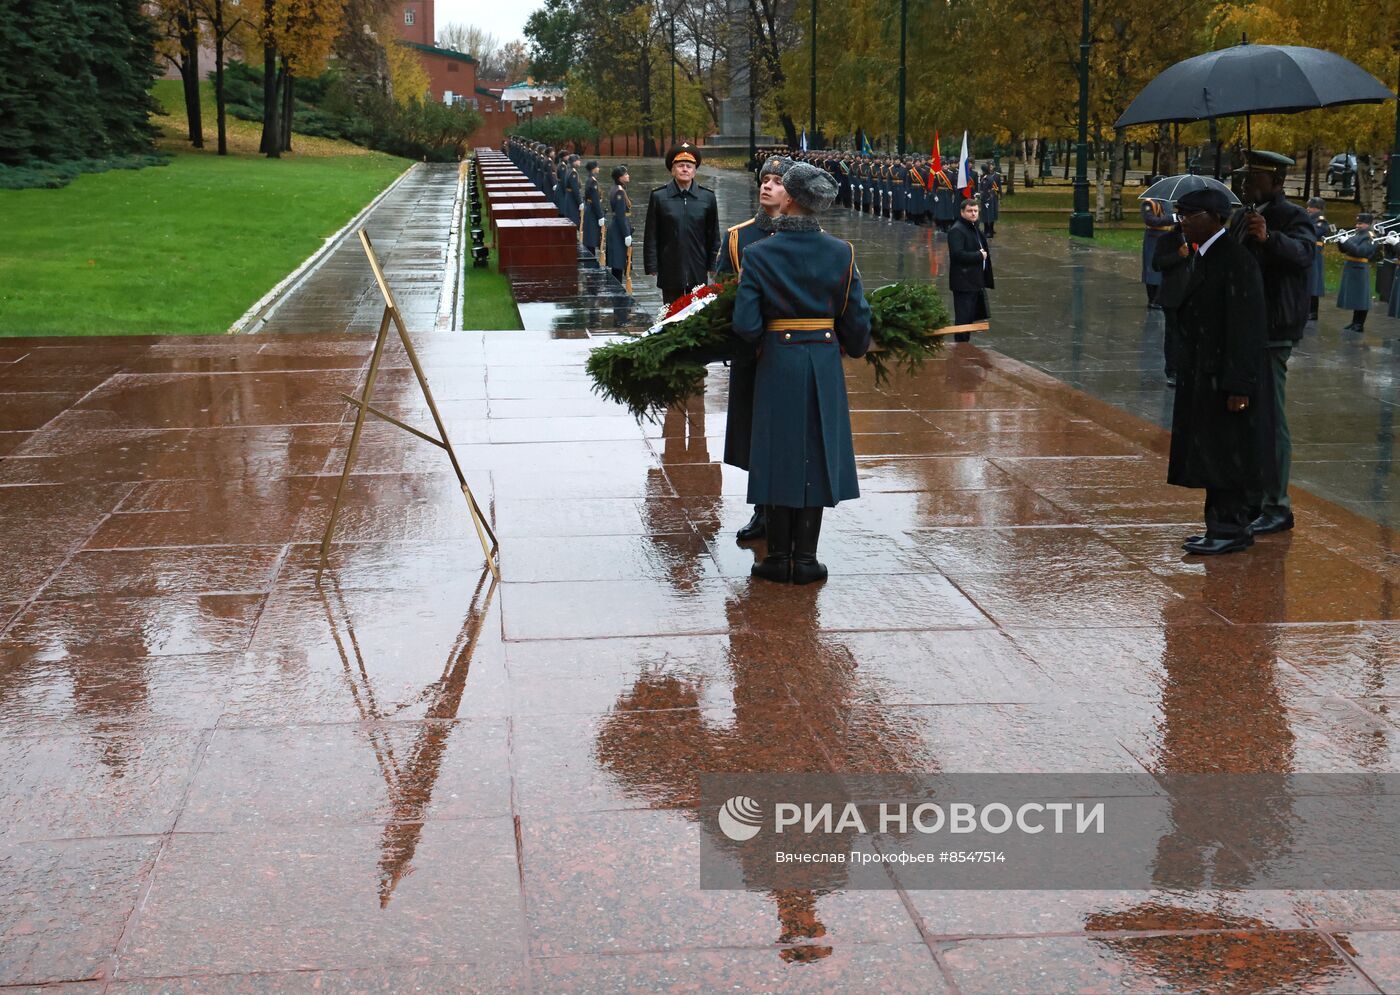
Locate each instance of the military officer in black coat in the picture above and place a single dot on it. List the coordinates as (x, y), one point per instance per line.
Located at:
(681, 238)
(1281, 238)
(1221, 417)
(969, 270)
(738, 425)
(800, 300)
(620, 230)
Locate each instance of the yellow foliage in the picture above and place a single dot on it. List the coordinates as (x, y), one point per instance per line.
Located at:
(407, 76)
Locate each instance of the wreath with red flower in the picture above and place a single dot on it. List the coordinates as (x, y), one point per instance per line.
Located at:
(665, 365)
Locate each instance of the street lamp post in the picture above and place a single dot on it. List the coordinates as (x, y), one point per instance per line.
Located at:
(812, 124)
(753, 111)
(903, 71)
(1081, 222)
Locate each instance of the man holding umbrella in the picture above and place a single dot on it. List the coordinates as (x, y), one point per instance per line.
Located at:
(1281, 238)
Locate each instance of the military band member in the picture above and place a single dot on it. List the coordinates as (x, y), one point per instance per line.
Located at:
(620, 230)
(682, 228)
(1157, 220)
(1359, 250)
(800, 299)
(1317, 281)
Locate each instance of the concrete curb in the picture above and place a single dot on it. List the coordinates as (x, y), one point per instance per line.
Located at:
(255, 316)
(449, 314)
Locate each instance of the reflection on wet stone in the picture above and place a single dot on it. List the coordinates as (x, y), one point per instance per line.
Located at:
(406, 777)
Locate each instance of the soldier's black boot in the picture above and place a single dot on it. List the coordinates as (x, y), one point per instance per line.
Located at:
(753, 530)
(777, 564)
(807, 529)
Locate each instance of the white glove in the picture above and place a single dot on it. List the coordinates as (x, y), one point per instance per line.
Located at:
(600, 222)
(627, 241)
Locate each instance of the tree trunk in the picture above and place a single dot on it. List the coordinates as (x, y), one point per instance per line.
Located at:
(1365, 182)
(287, 107)
(189, 72)
(1098, 177)
(1308, 175)
(271, 144)
(1120, 176)
(219, 109)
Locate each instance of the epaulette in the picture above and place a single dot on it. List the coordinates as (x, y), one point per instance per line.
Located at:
(741, 224)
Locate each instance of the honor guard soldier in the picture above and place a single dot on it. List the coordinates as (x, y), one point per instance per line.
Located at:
(682, 227)
(1157, 220)
(1359, 250)
(1281, 238)
(738, 424)
(989, 188)
(800, 300)
(593, 220)
(914, 199)
(899, 180)
(1322, 228)
(620, 231)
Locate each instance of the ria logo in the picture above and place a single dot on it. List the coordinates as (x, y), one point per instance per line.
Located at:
(740, 818)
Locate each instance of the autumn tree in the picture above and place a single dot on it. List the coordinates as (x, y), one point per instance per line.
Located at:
(297, 38)
(179, 26)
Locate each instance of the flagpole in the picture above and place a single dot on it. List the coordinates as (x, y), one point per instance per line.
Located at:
(903, 34)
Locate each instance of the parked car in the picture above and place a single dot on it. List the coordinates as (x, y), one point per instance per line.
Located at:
(1341, 169)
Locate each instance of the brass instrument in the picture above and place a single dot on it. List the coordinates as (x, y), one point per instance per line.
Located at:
(1377, 229)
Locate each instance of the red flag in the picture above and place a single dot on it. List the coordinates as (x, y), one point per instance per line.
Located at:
(937, 161)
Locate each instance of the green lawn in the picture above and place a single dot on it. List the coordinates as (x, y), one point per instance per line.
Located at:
(183, 248)
(487, 302)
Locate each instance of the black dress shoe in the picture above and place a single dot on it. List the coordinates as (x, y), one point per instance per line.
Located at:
(1171, 379)
(1191, 540)
(1215, 547)
(756, 527)
(1267, 524)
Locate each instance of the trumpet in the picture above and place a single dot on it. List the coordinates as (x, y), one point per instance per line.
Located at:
(1379, 228)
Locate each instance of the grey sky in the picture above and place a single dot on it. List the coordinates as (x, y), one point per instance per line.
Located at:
(503, 18)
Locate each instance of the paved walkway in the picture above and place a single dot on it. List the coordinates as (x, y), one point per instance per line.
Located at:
(216, 776)
(411, 229)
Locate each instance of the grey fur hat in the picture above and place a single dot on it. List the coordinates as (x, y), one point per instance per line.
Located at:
(776, 165)
(812, 188)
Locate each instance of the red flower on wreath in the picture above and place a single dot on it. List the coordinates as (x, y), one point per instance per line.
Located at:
(684, 301)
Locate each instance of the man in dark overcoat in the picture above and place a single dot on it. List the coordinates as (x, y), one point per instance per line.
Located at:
(969, 269)
(1222, 436)
(738, 424)
(800, 299)
(1281, 238)
(1169, 258)
(681, 238)
(1156, 221)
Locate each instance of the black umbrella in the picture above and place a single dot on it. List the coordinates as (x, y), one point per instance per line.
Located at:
(1253, 79)
(1173, 187)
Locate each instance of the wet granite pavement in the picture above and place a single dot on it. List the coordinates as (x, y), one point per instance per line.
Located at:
(217, 776)
(411, 228)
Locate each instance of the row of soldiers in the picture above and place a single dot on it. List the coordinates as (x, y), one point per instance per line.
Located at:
(572, 185)
(902, 188)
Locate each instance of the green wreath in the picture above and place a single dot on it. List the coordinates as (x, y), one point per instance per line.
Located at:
(651, 373)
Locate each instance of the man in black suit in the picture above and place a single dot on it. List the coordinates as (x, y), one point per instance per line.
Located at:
(970, 270)
(1222, 425)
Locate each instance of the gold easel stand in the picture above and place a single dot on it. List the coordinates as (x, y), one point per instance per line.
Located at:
(489, 545)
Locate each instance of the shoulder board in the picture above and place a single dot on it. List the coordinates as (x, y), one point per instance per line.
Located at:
(741, 224)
